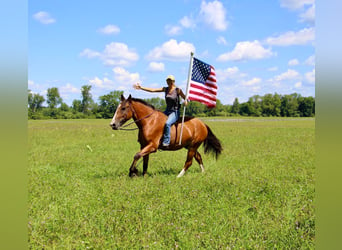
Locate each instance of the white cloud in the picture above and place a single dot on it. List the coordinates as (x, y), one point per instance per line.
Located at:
(309, 15)
(228, 73)
(105, 83)
(37, 88)
(298, 85)
(310, 76)
(119, 53)
(230, 76)
(275, 68)
(187, 22)
(90, 53)
(44, 17)
(246, 51)
(114, 54)
(251, 82)
(214, 15)
(96, 82)
(295, 4)
(124, 77)
(221, 40)
(109, 29)
(310, 61)
(30, 83)
(293, 62)
(301, 37)
(67, 90)
(156, 67)
(173, 30)
(171, 50)
(290, 74)
(122, 80)
(286, 79)
(305, 7)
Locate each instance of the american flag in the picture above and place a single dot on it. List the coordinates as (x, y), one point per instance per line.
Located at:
(203, 86)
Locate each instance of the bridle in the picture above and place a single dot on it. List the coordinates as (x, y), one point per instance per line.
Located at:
(138, 120)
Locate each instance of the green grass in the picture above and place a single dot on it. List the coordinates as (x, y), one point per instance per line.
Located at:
(259, 194)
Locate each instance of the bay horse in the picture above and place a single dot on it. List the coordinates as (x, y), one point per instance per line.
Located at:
(150, 123)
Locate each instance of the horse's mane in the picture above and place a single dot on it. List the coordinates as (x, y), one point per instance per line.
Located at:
(143, 102)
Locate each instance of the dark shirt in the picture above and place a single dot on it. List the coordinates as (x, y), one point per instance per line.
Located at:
(172, 99)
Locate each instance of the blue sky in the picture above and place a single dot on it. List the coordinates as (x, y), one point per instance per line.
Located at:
(256, 47)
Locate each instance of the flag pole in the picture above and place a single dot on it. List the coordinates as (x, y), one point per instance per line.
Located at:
(187, 94)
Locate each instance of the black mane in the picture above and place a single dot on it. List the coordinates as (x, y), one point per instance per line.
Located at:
(143, 102)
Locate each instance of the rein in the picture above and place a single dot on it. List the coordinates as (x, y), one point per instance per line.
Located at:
(130, 129)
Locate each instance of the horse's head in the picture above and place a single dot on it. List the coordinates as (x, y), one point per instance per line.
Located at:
(123, 113)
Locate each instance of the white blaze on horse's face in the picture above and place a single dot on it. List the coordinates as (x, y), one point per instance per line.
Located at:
(114, 123)
(122, 114)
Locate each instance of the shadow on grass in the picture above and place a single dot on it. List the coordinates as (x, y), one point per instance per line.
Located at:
(164, 171)
(108, 175)
(115, 174)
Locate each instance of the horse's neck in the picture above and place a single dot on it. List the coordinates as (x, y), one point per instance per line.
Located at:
(144, 115)
(141, 110)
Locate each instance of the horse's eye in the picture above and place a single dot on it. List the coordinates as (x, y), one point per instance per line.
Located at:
(123, 108)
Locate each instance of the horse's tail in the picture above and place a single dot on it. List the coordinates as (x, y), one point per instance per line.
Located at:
(212, 144)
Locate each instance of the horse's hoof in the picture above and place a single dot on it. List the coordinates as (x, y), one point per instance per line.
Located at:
(133, 175)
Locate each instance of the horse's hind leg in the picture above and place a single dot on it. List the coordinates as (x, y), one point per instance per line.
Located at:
(191, 153)
(198, 158)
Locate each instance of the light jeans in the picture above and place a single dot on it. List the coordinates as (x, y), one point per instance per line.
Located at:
(173, 116)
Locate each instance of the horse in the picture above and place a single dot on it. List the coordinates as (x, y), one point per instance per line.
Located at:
(150, 123)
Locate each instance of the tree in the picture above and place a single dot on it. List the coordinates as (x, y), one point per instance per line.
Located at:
(277, 105)
(30, 98)
(271, 105)
(306, 106)
(53, 98)
(219, 109)
(256, 101)
(236, 106)
(76, 106)
(109, 103)
(246, 109)
(157, 102)
(35, 101)
(64, 107)
(289, 105)
(194, 108)
(86, 99)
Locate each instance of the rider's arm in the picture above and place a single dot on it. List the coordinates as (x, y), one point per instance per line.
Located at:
(180, 92)
(138, 86)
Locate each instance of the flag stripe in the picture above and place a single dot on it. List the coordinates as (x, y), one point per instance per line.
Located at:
(202, 87)
(204, 95)
(204, 101)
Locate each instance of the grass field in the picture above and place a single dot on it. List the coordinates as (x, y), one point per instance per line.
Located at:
(259, 194)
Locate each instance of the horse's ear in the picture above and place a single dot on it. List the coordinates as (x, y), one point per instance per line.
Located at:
(129, 97)
(122, 98)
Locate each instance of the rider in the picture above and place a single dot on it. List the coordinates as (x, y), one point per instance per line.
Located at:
(172, 94)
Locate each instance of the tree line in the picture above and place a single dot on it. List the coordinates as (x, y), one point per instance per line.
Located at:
(269, 105)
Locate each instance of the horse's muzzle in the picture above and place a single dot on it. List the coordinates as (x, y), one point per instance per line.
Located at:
(113, 126)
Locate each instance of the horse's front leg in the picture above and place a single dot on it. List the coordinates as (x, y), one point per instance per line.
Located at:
(150, 148)
(145, 166)
(133, 171)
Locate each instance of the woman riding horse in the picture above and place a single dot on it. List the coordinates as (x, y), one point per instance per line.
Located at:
(151, 124)
(172, 94)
